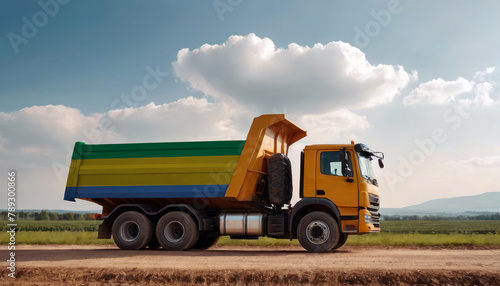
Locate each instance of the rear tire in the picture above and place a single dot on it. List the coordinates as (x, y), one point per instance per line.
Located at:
(342, 240)
(132, 230)
(177, 231)
(207, 240)
(318, 232)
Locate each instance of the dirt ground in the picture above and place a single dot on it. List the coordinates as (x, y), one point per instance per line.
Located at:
(220, 265)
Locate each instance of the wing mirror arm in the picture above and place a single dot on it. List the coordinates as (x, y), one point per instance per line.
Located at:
(344, 159)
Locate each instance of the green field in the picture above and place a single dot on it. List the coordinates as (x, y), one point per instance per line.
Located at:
(418, 233)
(54, 225)
(442, 227)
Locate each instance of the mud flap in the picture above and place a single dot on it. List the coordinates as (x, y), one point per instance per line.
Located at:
(104, 231)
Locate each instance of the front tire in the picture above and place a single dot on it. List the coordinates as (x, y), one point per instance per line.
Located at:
(342, 241)
(177, 231)
(132, 230)
(318, 232)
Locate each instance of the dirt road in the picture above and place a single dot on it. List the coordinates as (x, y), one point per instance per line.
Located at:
(255, 265)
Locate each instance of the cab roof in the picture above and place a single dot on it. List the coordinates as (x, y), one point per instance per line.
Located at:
(328, 146)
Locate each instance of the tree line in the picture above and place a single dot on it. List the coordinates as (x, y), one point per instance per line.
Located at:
(489, 216)
(50, 215)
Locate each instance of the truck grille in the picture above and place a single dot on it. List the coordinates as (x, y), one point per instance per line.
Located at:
(373, 209)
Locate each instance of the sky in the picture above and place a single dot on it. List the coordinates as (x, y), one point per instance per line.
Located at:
(417, 80)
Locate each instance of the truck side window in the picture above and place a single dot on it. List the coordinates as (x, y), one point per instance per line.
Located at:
(331, 165)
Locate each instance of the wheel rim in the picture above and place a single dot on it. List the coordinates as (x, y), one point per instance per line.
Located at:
(129, 231)
(174, 231)
(317, 232)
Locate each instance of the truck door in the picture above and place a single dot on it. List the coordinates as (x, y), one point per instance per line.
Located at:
(331, 183)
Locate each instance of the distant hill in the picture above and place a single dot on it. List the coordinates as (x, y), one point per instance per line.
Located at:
(468, 205)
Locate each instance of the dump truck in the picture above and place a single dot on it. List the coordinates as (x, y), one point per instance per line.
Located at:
(184, 195)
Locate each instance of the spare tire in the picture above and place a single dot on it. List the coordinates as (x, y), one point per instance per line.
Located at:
(279, 179)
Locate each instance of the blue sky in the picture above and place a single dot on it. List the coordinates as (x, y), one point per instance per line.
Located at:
(91, 53)
(90, 48)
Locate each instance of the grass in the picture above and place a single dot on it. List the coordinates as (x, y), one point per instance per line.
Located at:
(442, 227)
(396, 239)
(56, 237)
(54, 225)
(395, 233)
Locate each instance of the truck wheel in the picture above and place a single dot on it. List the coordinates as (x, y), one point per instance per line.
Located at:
(342, 240)
(132, 230)
(318, 232)
(177, 231)
(207, 240)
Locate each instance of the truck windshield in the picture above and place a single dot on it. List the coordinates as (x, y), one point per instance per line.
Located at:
(365, 166)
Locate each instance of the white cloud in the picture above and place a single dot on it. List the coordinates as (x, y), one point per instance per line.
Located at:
(39, 128)
(42, 126)
(330, 126)
(254, 72)
(482, 76)
(475, 161)
(482, 94)
(36, 137)
(439, 91)
(185, 119)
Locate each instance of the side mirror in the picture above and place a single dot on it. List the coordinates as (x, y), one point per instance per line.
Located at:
(381, 163)
(344, 161)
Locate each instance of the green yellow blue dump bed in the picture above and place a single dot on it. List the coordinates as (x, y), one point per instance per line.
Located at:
(215, 174)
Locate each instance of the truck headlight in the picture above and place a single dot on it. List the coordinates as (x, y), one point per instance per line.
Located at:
(368, 218)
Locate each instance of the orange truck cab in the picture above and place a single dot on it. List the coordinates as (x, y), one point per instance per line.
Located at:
(343, 175)
(183, 195)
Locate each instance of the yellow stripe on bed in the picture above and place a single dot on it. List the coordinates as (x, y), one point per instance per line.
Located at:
(198, 170)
